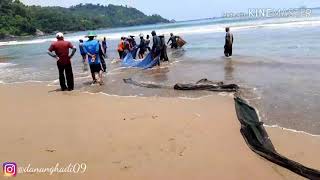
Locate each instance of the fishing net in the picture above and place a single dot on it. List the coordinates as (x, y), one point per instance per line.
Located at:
(147, 62)
(252, 128)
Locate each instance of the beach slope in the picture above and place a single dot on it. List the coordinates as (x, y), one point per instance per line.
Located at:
(131, 137)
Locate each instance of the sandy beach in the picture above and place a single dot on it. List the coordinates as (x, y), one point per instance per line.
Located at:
(139, 138)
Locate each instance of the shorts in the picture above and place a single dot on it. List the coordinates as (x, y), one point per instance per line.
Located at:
(95, 68)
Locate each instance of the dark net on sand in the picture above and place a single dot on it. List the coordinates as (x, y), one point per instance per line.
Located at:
(203, 84)
(252, 128)
(258, 141)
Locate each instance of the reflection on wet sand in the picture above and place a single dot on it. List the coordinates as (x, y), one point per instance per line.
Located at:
(158, 74)
(228, 70)
(177, 53)
(3, 59)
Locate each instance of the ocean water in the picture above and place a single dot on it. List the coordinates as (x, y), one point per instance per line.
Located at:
(276, 62)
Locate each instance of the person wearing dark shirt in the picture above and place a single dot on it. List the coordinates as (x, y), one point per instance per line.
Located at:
(163, 54)
(156, 47)
(142, 46)
(83, 55)
(133, 41)
(228, 43)
(133, 46)
(102, 55)
(104, 46)
(173, 40)
(61, 53)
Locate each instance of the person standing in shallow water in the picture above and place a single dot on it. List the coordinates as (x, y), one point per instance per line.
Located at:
(121, 48)
(148, 43)
(173, 40)
(156, 46)
(104, 46)
(92, 49)
(142, 47)
(102, 56)
(61, 49)
(228, 43)
(163, 54)
(83, 55)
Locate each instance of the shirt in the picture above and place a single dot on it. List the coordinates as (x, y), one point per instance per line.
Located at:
(121, 46)
(162, 42)
(147, 42)
(104, 44)
(142, 45)
(92, 47)
(229, 38)
(61, 48)
(127, 46)
(156, 43)
(82, 52)
(173, 39)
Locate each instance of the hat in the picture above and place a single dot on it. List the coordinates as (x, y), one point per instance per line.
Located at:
(141, 35)
(59, 35)
(91, 34)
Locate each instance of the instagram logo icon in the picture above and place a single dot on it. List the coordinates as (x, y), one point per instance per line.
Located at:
(9, 169)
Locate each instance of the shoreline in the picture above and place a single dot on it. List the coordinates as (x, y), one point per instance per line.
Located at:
(137, 137)
(267, 126)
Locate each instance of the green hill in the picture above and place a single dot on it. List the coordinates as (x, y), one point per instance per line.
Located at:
(17, 19)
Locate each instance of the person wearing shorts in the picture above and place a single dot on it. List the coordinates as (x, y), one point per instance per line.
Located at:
(91, 48)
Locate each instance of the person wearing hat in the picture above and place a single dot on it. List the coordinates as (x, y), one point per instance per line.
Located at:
(91, 48)
(142, 46)
(156, 47)
(61, 54)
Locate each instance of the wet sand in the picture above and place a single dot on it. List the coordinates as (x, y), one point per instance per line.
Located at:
(136, 138)
(3, 59)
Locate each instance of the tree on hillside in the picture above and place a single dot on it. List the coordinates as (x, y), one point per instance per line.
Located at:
(17, 19)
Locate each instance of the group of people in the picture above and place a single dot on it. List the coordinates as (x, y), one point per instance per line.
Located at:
(129, 45)
(93, 53)
(159, 46)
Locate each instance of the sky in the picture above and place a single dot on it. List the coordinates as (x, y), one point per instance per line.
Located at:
(186, 9)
